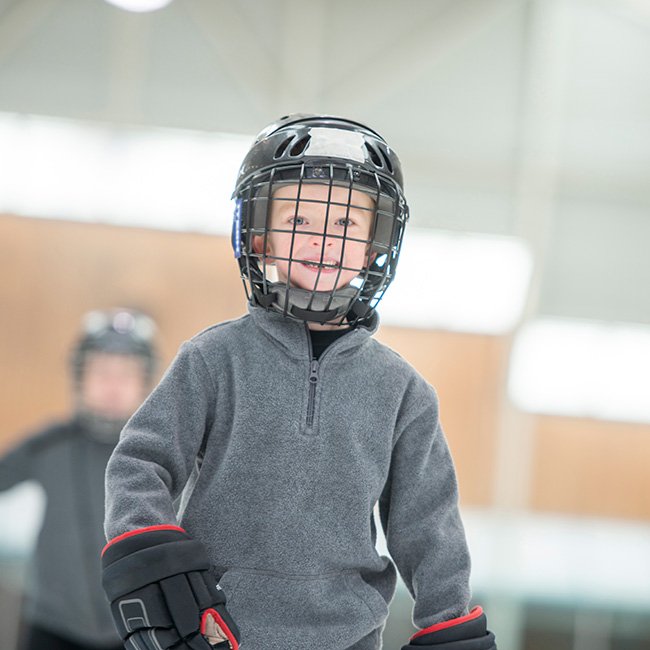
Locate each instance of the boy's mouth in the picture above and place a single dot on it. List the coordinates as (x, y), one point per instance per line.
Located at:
(328, 266)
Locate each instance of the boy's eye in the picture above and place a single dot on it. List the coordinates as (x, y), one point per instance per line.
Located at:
(343, 221)
(298, 220)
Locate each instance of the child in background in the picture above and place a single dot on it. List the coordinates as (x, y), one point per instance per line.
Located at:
(112, 369)
(240, 497)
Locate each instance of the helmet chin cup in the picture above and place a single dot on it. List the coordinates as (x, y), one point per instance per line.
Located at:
(310, 306)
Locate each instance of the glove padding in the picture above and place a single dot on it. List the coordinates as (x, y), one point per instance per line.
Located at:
(465, 633)
(163, 593)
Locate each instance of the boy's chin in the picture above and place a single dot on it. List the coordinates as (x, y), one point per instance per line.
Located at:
(326, 283)
(321, 287)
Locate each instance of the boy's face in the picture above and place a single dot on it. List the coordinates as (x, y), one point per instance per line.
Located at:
(343, 259)
(113, 385)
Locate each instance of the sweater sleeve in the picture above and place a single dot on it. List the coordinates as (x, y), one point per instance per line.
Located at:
(158, 447)
(420, 517)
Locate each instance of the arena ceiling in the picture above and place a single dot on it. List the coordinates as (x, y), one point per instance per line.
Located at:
(512, 117)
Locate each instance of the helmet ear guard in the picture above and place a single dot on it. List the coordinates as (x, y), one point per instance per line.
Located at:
(303, 151)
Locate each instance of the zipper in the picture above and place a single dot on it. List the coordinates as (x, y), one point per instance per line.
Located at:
(313, 381)
(314, 367)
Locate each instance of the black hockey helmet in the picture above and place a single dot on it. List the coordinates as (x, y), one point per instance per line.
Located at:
(116, 331)
(303, 149)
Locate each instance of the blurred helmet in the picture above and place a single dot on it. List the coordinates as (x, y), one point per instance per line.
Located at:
(301, 150)
(116, 331)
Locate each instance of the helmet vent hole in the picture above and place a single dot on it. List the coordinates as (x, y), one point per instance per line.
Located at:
(374, 156)
(300, 146)
(282, 148)
(386, 157)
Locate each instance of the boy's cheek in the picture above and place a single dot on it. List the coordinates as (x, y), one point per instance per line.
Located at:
(258, 245)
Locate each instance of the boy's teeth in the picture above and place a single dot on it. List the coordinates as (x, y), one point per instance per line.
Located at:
(316, 265)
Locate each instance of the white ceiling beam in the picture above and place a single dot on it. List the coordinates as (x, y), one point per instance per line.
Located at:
(637, 11)
(545, 77)
(299, 74)
(251, 68)
(128, 64)
(546, 42)
(20, 21)
(408, 59)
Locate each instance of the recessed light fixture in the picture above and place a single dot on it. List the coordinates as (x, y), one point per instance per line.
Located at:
(140, 6)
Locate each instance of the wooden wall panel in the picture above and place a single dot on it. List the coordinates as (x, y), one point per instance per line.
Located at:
(51, 272)
(54, 271)
(591, 467)
(464, 369)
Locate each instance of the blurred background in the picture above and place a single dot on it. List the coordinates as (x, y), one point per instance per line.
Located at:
(522, 294)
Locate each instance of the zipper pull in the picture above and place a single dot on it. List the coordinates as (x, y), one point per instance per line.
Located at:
(313, 375)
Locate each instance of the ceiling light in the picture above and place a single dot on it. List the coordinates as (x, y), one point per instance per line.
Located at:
(140, 6)
(464, 282)
(582, 369)
(166, 179)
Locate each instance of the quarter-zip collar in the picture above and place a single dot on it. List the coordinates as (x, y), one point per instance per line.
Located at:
(294, 338)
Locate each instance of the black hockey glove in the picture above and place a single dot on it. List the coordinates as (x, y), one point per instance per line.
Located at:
(465, 633)
(163, 594)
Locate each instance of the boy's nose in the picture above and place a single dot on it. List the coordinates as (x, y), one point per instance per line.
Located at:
(316, 241)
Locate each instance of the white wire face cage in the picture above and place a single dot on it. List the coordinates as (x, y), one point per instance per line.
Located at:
(318, 237)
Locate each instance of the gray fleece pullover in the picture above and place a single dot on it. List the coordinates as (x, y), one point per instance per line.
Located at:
(64, 592)
(295, 454)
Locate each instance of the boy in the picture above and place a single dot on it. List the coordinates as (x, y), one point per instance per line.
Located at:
(113, 364)
(278, 432)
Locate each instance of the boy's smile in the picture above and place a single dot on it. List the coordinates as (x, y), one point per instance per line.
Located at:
(297, 242)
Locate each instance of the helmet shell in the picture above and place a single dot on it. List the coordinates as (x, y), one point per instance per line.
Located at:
(303, 137)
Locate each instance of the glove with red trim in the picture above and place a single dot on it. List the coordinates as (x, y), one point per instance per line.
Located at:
(163, 593)
(465, 633)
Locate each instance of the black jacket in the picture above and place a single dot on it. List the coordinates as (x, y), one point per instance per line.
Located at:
(64, 593)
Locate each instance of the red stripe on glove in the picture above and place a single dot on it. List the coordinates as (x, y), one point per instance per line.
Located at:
(131, 533)
(475, 613)
(222, 625)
